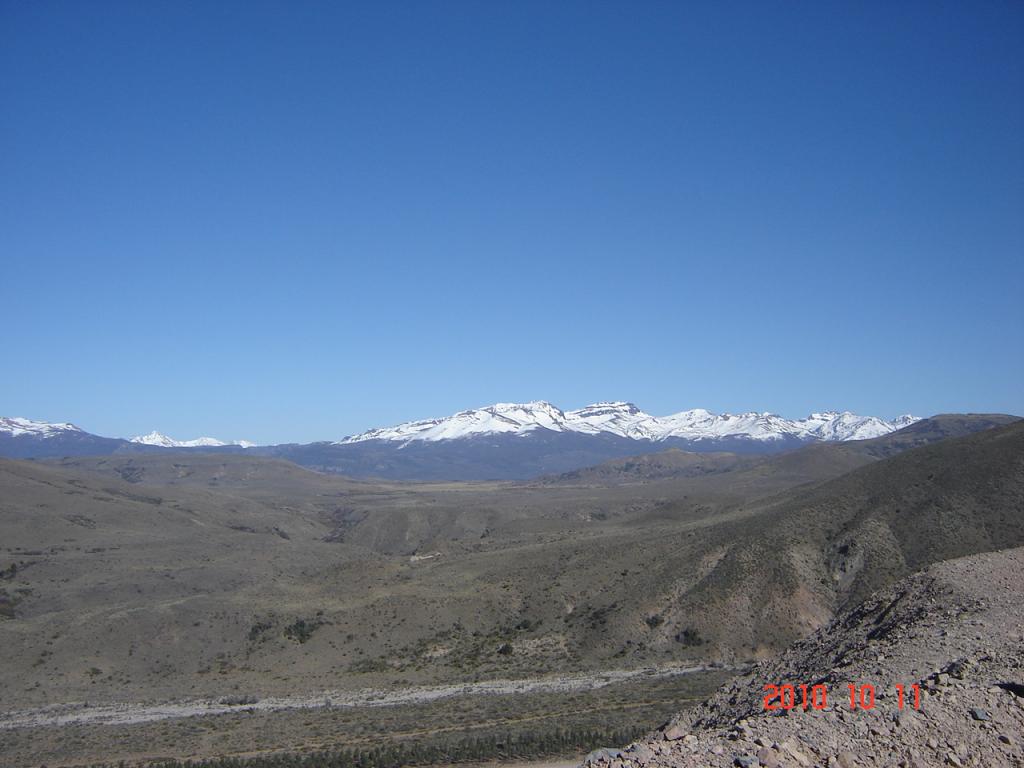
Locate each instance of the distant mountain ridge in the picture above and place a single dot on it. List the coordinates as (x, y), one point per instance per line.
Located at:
(627, 420)
(520, 441)
(620, 419)
(28, 432)
(163, 441)
(26, 438)
(19, 427)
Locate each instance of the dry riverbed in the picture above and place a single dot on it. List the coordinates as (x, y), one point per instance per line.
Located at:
(128, 713)
(610, 702)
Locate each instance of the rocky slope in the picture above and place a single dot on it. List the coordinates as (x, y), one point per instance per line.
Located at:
(955, 630)
(819, 550)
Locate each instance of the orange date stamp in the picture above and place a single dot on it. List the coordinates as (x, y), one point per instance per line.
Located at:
(861, 696)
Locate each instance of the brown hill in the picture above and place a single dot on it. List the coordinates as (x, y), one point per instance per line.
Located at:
(820, 549)
(653, 466)
(930, 430)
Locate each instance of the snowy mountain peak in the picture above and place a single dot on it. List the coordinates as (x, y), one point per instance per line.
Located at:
(516, 418)
(905, 420)
(537, 409)
(163, 441)
(154, 438)
(625, 419)
(20, 427)
(616, 418)
(608, 408)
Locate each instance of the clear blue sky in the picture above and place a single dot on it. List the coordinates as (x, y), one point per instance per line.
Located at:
(293, 221)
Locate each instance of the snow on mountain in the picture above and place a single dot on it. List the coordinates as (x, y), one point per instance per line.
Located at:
(494, 419)
(626, 420)
(19, 427)
(617, 418)
(699, 424)
(905, 420)
(848, 426)
(608, 418)
(163, 441)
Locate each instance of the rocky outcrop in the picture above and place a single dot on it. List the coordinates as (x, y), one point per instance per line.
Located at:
(955, 631)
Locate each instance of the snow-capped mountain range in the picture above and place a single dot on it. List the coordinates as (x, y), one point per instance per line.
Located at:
(620, 419)
(163, 441)
(19, 427)
(506, 441)
(626, 420)
(30, 428)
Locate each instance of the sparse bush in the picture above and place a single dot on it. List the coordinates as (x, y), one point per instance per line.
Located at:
(257, 630)
(467, 749)
(7, 603)
(302, 629)
(690, 637)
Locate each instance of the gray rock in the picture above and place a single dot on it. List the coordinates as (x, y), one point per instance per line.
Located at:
(603, 754)
(903, 718)
(795, 753)
(674, 732)
(746, 761)
(980, 714)
(641, 752)
(956, 668)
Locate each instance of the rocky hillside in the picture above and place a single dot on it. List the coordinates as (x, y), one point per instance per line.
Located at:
(813, 552)
(954, 630)
(654, 466)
